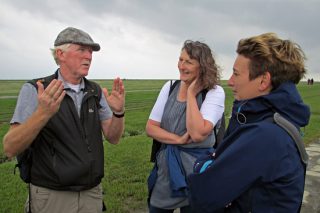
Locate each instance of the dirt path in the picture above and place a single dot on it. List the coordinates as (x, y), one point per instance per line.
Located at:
(311, 200)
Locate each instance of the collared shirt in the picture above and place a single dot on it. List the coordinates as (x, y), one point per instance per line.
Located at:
(28, 101)
(74, 91)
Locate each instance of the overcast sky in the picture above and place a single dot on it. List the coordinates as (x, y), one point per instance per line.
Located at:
(142, 39)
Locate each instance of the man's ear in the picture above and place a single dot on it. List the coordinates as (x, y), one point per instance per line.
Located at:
(59, 54)
(59, 51)
(265, 85)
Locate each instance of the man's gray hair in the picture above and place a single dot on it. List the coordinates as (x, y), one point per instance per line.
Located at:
(63, 47)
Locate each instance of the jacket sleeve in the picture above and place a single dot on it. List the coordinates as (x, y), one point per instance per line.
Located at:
(250, 157)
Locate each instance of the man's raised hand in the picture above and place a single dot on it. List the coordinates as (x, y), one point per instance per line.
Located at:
(116, 99)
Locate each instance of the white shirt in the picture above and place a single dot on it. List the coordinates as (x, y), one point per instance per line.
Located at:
(211, 109)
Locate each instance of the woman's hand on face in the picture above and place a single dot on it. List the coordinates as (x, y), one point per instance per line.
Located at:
(194, 88)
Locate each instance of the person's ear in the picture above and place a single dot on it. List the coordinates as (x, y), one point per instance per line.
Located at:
(265, 84)
(59, 53)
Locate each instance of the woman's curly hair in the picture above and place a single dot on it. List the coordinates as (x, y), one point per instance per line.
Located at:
(209, 75)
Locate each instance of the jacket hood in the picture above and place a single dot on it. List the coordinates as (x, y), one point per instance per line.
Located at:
(285, 100)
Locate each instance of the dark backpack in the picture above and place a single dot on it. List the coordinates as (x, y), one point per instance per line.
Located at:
(218, 129)
(24, 163)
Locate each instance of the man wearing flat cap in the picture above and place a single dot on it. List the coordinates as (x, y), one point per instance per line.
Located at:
(60, 120)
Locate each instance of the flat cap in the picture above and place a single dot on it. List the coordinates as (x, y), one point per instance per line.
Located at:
(72, 35)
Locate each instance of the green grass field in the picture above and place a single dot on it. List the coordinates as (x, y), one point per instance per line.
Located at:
(127, 164)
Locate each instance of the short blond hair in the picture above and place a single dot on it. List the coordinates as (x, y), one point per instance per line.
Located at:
(283, 59)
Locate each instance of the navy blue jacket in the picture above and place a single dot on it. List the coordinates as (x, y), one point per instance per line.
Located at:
(258, 167)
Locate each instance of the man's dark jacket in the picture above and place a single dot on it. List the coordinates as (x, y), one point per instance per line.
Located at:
(68, 152)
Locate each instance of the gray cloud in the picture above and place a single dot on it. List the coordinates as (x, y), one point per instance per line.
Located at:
(142, 38)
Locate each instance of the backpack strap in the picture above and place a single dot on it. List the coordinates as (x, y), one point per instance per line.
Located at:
(219, 130)
(296, 136)
(156, 145)
(294, 133)
(173, 85)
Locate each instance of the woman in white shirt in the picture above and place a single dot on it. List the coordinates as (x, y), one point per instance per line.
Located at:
(182, 121)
